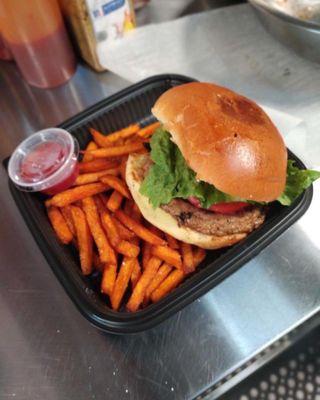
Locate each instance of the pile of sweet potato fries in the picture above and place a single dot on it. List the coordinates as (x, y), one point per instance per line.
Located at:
(99, 217)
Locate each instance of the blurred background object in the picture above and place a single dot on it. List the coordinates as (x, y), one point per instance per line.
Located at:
(306, 10)
(296, 24)
(5, 53)
(96, 21)
(137, 4)
(38, 41)
(170, 10)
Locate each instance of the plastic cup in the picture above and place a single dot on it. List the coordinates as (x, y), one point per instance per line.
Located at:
(47, 161)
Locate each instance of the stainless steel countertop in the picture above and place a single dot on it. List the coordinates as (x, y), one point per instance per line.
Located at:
(48, 350)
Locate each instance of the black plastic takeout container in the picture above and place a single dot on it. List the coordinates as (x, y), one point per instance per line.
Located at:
(126, 107)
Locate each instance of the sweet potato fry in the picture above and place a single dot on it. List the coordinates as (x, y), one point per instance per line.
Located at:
(128, 249)
(146, 253)
(108, 278)
(100, 204)
(66, 212)
(136, 214)
(154, 229)
(188, 265)
(59, 225)
(170, 256)
(123, 167)
(148, 130)
(100, 218)
(141, 286)
(106, 252)
(119, 142)
(124, 232)
(98, 137)
(91, 146)
(128, 206)
(136, 273)
(132, 139)
(161, 275)
(116, 151)
(122, 281)
(138, 229)
(100, 164)
(91, 177)
(70, 196)
(198, 256)
(84, 239)
(108, 140)
(172, 242)
(113, 171)
(171, 282)
(123, 133)
(111, 229)
(117, 184)
(114, 201)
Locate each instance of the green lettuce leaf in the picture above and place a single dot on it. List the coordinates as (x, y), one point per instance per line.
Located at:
(297, 181)
(170, 177)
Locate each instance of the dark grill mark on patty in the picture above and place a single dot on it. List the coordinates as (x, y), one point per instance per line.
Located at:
(184, 216)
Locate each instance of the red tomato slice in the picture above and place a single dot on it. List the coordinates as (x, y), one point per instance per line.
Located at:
(228, 208)
(221, 208)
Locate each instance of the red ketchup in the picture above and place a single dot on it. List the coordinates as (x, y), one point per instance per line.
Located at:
(45, 162)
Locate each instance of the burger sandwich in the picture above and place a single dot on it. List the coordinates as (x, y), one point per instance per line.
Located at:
(213, 167)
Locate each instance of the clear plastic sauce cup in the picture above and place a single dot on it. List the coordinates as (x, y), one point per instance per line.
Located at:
(47, 162)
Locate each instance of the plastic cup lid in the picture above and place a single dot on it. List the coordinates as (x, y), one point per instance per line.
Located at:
(68, 144)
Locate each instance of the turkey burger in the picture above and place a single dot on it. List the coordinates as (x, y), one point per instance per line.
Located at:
(213, 166)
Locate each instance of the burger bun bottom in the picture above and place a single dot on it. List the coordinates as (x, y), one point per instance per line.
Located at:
(163, 220)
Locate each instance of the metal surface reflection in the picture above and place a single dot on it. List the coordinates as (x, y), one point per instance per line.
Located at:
(25, 109)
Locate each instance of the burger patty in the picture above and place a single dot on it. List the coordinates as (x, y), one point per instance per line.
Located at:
(208, 222)
(211, 223)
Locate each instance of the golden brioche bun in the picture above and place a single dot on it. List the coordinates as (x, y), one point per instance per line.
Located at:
(227, 139)
(163, 220)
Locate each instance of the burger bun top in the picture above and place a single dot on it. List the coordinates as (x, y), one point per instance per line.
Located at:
(227, 139)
